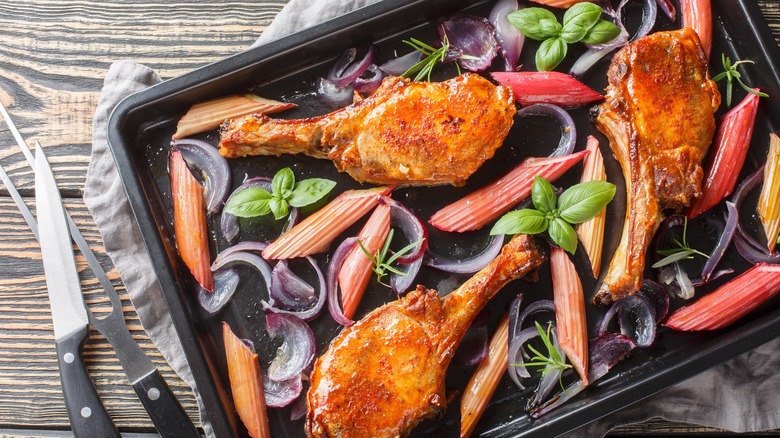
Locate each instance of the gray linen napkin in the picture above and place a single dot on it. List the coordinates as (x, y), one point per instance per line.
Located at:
(742, 394)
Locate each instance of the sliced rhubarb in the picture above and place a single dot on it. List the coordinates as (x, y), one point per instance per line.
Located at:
(769, 201)
(730, 149)
(485, 380)
(559, 3)
(697, 14)
(189, 221)
(317, 231)
(569, 300)
(591, 232)
(478, 208)
(560, 89)
(209, 115)
(729, 302)
(246, 384)
(356, 271)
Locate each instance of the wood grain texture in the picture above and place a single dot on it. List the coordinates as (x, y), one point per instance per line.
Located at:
(53, 57)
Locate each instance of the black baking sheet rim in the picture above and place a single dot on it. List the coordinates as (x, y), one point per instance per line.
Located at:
(131, 114)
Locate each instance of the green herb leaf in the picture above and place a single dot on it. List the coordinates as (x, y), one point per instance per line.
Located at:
(381, 263)
(525, 221)
(551, 52)
(431, 58)
(543, 195)
(681, 251)
(778, 240)
(730, 73)
(550, 27)
(578, 20)
(602, 32)
(528, 21)
(563, 235)
(279, 207)
(249, 203)
(310, 191)
(283, 183)
(583, 201)
(554, 360)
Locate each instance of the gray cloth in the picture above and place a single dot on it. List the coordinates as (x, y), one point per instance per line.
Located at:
(739, 395)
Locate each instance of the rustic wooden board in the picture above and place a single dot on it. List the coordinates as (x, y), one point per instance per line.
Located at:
(53, 57)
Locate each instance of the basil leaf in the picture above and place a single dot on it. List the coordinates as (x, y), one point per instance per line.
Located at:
(563, 235)
(283, 183)
(279, 207)
(550, 27)
(578, 20)
(249, 203)
(551, 52)
(581, 202)
(778, 240)
(525, 221)
(602, 32)
(543, 195)
(527, 20)
(310, 191)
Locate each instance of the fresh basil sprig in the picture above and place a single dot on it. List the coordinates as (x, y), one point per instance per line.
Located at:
(730, 73)
(285, 193)
(556, 215)
(778, 240)
(581, 22)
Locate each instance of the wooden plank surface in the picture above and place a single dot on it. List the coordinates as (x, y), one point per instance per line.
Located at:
(53, 57)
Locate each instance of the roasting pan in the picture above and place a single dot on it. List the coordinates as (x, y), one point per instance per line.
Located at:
(140, 130)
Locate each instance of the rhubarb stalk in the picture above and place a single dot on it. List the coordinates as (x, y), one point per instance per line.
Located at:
(556, 88)
(769, 200)
(591, 232)
(569, 302)
(209, 115)
(697, 14)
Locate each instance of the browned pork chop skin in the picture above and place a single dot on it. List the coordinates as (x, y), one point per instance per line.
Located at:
(406, 133)
(384, 374)
(659, 118)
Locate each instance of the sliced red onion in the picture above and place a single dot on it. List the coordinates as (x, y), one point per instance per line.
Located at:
(510, 39)
(313, 311)
(746, 186)
(684, 284)
(674, 220)
(332, 283)
(228, 223)
(225, 284)
(469, 265)
(239, 247)
(617, 17)
(332, 95)
(246, 258)
(568, 128)
(401, 217)
(473, 347)
(638, 314)
(298, 409)
(474, 37)
(370, 80)
(749, 251)
(517, 355)
(345, 71)
(297, 350)
(514, 314)
(658, 295)
(732, 218)
(288, 291)
(399, 66)
(533, 308)
(214, 167)
(698, 282)
(668, 8)
(281, 394)
(403, 283)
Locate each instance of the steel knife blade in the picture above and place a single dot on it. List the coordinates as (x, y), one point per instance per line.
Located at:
(87, 415)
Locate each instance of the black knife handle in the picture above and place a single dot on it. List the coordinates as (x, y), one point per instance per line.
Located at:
(166, 413)
(88, 417)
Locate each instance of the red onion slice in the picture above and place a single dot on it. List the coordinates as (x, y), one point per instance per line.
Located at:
(332, 95)
(288, 291)
(403, 283)
(225, 285)
(239, 247)
(298, 409)
(732, 217)
(281, 394)
(469, 265)
(214, 167)
(297, 350)
(517, 355)
(370, 80)
(314, 311)
(246, 258)
(549, 380)
(332, 282)
(345, 71)
(474, 38)
(398, 66)
(568, 128)
(745, 244)
(411, 225)
(473, 347)
(638, 314)
(228, 223)
(510, 39)
(668, 8)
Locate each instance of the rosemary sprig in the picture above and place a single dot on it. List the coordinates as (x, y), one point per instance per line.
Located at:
(553, 360)
(431, 57)
(383, 264)
(682, 252)
(730, 73)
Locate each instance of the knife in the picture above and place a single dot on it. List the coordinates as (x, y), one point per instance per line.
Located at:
(87, 415)
(166, 413)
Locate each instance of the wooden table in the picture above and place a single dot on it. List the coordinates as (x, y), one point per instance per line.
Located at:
(53, 58)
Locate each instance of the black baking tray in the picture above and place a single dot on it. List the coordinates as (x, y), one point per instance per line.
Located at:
(139, 133)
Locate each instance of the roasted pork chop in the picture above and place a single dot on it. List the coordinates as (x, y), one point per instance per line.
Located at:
(659, 118)
(384, 374)
(406, 133)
